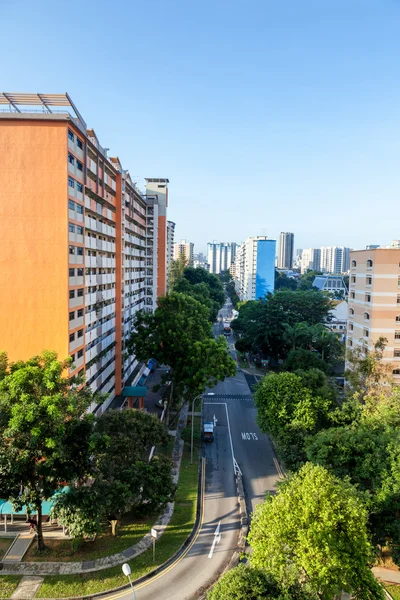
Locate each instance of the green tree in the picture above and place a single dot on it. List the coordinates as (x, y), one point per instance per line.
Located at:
(45, 434)
(306, 281)
(212, 281)
(289, 412)
(368, 375)
(282, 281)
(246, 583)
(299, 335)
(315, 531)
(201, 293)
(328, 344)
(175, 271)
(178, 334)
(304, 359)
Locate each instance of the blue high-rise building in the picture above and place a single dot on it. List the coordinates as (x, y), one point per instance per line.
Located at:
(255, 268)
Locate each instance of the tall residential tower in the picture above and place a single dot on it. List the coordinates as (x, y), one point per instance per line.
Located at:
(285, 251)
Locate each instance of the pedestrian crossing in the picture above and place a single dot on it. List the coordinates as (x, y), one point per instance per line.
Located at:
(231, 397)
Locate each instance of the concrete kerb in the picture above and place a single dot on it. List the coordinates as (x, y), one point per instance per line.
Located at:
(166, 564)
(77, 568)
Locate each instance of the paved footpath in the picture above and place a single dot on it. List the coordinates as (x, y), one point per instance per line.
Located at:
(27, 588)
(388, 575)
(17, 550)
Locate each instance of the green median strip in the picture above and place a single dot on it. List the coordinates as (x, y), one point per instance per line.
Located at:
(181, 524)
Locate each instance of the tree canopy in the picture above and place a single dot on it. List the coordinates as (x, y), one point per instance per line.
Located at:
(315, 531)
(44, 431)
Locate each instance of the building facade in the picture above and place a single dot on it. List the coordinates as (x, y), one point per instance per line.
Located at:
(285, 250)
(82, 248)
(335, 259)
(184, 249)
(310, 260)
(220, 256)
(374, 302)
(255, 268)
(170, 245)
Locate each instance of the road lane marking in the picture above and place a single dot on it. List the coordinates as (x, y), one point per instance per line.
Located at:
(279, 469)
(217, 539)
(249, 436)
(235, 465)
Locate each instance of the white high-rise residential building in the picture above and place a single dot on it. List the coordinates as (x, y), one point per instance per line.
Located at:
(170, 245)
(220, 255)
(185, 249)
(311, 260)
(254, 270)
(285, 251)
(335, 259)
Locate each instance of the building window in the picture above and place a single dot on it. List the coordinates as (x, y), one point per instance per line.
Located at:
(71, 159)
(80, 272)
(71, 227)
(367, 297)
(71, 204)
(71, 272)
(396, 353)
(80, 333)
(397, 335)
(71, 182)
(72, 249)
(79, 165)
(351, 311)
(353, 279)
(350, 342)
(79, 187)
(79, 143)
(398, 298)
(72, 315)
(396, 371)
(369, 281)
(352, 295)
(71, 135)
(366, 333)
(79, 251)
(369, 263)
(366, 316)
(79, 230)
(353, 263)
(351, 326)
(79, 209)
(80, 353)
(80, 313)
(73, 358)
(80, 293)
(71, 294)
(71, 337)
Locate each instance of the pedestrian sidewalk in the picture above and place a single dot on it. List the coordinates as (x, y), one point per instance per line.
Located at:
(388, 575)
(27, 588)
(17, 550)
(88, 566)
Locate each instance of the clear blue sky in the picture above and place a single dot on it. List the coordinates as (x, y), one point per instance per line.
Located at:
(266, 115)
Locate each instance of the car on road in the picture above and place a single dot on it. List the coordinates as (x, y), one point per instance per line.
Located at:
(208, 431)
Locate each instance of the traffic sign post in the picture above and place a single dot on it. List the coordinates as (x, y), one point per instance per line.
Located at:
(154, 535)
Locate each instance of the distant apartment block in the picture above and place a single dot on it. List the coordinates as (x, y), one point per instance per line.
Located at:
(170, 245)
(255, 268)
(184, 249)
(285, 250)
(82, 249)
(310, 260)
(335, 259)
(220, 256)
(374, 302)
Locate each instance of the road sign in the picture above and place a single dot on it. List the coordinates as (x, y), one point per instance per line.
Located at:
(154, 534)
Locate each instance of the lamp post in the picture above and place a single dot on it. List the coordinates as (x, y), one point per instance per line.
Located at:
(127, 572)
(191, 443)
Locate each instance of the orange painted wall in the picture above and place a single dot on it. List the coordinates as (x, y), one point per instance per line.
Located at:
(33, 238)
(162, 257)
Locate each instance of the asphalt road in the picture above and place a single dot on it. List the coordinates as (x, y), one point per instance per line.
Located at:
(237, 443)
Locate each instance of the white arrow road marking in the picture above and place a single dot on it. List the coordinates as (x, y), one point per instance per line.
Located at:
(215, 421)
(217, 539)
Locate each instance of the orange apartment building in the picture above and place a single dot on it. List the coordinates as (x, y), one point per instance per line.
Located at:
(82, 250)
(374, 302)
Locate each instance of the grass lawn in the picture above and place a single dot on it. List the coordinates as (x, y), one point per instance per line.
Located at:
(128, 534)
(8, 583)
(5, 543)
(394, 590)
(178, 530)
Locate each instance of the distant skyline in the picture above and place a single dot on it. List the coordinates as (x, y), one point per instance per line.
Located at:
(265, 116)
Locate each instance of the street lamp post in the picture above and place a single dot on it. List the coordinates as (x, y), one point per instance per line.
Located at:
(191, 443)
(127, 572)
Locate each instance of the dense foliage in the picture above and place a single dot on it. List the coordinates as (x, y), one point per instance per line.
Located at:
(315, 531)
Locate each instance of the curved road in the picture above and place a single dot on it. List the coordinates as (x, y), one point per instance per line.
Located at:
(237, 443)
